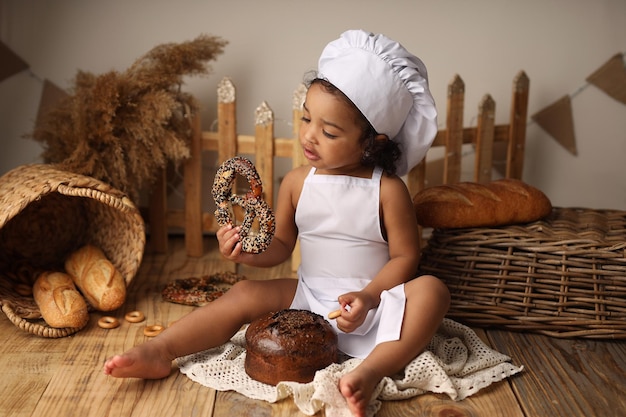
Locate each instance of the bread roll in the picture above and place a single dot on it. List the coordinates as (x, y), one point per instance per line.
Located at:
(289, 345)
(59, 301)
(97, 278)
(469, 204)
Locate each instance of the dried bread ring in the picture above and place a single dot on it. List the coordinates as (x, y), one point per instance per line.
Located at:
(134, 316)
(108, 322)
(152, 330)
(252, 203)
(334, 314)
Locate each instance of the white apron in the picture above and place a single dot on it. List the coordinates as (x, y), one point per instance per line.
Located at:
(342, 248)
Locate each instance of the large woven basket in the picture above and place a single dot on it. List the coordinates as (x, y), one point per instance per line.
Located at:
(45, 214)
(563, 276)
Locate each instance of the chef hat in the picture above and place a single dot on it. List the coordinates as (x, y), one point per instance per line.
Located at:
(389, 85)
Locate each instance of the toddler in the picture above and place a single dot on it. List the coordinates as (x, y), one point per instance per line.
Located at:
(368, 119)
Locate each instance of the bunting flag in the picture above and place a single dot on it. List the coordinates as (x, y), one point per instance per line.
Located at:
(557, 120)
(611, 78)
(50, 96)
(10, 62)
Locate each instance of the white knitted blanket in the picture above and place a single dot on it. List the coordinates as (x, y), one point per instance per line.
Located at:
(456, 362)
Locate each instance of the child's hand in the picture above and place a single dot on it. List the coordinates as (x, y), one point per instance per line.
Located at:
(354, 309)
(230, 246)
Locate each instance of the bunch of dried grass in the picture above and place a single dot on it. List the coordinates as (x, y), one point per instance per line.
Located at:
(121, 128)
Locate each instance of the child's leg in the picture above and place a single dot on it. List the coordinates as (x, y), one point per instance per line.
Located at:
(206, 327)
(427, 302)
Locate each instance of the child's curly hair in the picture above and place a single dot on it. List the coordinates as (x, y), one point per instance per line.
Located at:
(383, 153)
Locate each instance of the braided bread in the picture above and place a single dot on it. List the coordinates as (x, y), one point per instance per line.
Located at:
(252, 203)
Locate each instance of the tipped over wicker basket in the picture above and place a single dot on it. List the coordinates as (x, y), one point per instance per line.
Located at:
(46, 213)
(563, 276)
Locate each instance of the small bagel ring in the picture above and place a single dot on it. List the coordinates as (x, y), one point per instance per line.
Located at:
(153, 330)
(108, 322)
(252, 203)
(134, 316)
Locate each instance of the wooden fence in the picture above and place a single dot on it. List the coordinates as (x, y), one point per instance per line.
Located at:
(228, 143)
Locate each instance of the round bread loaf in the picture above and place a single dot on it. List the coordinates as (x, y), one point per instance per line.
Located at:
(289, 345)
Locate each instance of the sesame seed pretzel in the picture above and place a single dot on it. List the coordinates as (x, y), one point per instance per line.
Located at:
(252, 203)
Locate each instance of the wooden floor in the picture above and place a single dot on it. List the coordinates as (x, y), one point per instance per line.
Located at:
(63, 377)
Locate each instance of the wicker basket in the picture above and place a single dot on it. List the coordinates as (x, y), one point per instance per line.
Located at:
(564, 276)
(45, 214)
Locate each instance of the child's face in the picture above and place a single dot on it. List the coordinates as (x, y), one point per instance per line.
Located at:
(329, 133)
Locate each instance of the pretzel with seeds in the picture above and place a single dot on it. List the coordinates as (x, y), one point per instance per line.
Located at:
(252, 203)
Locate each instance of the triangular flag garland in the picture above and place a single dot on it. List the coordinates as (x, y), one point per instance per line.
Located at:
(11, 62)
(557, 120)
(611, 78)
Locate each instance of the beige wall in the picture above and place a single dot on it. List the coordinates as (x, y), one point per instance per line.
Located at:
(274, 42)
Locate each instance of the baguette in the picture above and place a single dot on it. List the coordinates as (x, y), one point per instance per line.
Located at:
(97, 278)
(59, 301)
(469, 204)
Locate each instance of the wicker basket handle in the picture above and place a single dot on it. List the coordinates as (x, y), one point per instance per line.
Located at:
(35, 328)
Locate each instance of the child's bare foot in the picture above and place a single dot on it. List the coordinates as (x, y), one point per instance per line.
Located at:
(357, 387)
(139, 362)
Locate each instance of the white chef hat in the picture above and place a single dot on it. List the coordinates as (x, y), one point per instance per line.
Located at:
(389, 85)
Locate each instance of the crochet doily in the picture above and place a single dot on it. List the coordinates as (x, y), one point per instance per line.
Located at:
(456, 363)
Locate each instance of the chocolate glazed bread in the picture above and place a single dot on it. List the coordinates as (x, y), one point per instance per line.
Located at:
(289, 345)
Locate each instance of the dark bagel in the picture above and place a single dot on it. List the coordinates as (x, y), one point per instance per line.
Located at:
(252, 203)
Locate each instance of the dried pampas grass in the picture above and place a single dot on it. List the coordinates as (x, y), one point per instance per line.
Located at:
(122, 128)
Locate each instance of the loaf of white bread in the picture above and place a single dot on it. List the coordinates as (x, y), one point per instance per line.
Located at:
(468, 204)
(59, 302)
(97, 278)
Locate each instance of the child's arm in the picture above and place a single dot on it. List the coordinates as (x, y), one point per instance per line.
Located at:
(284, 239)
(400, 224)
